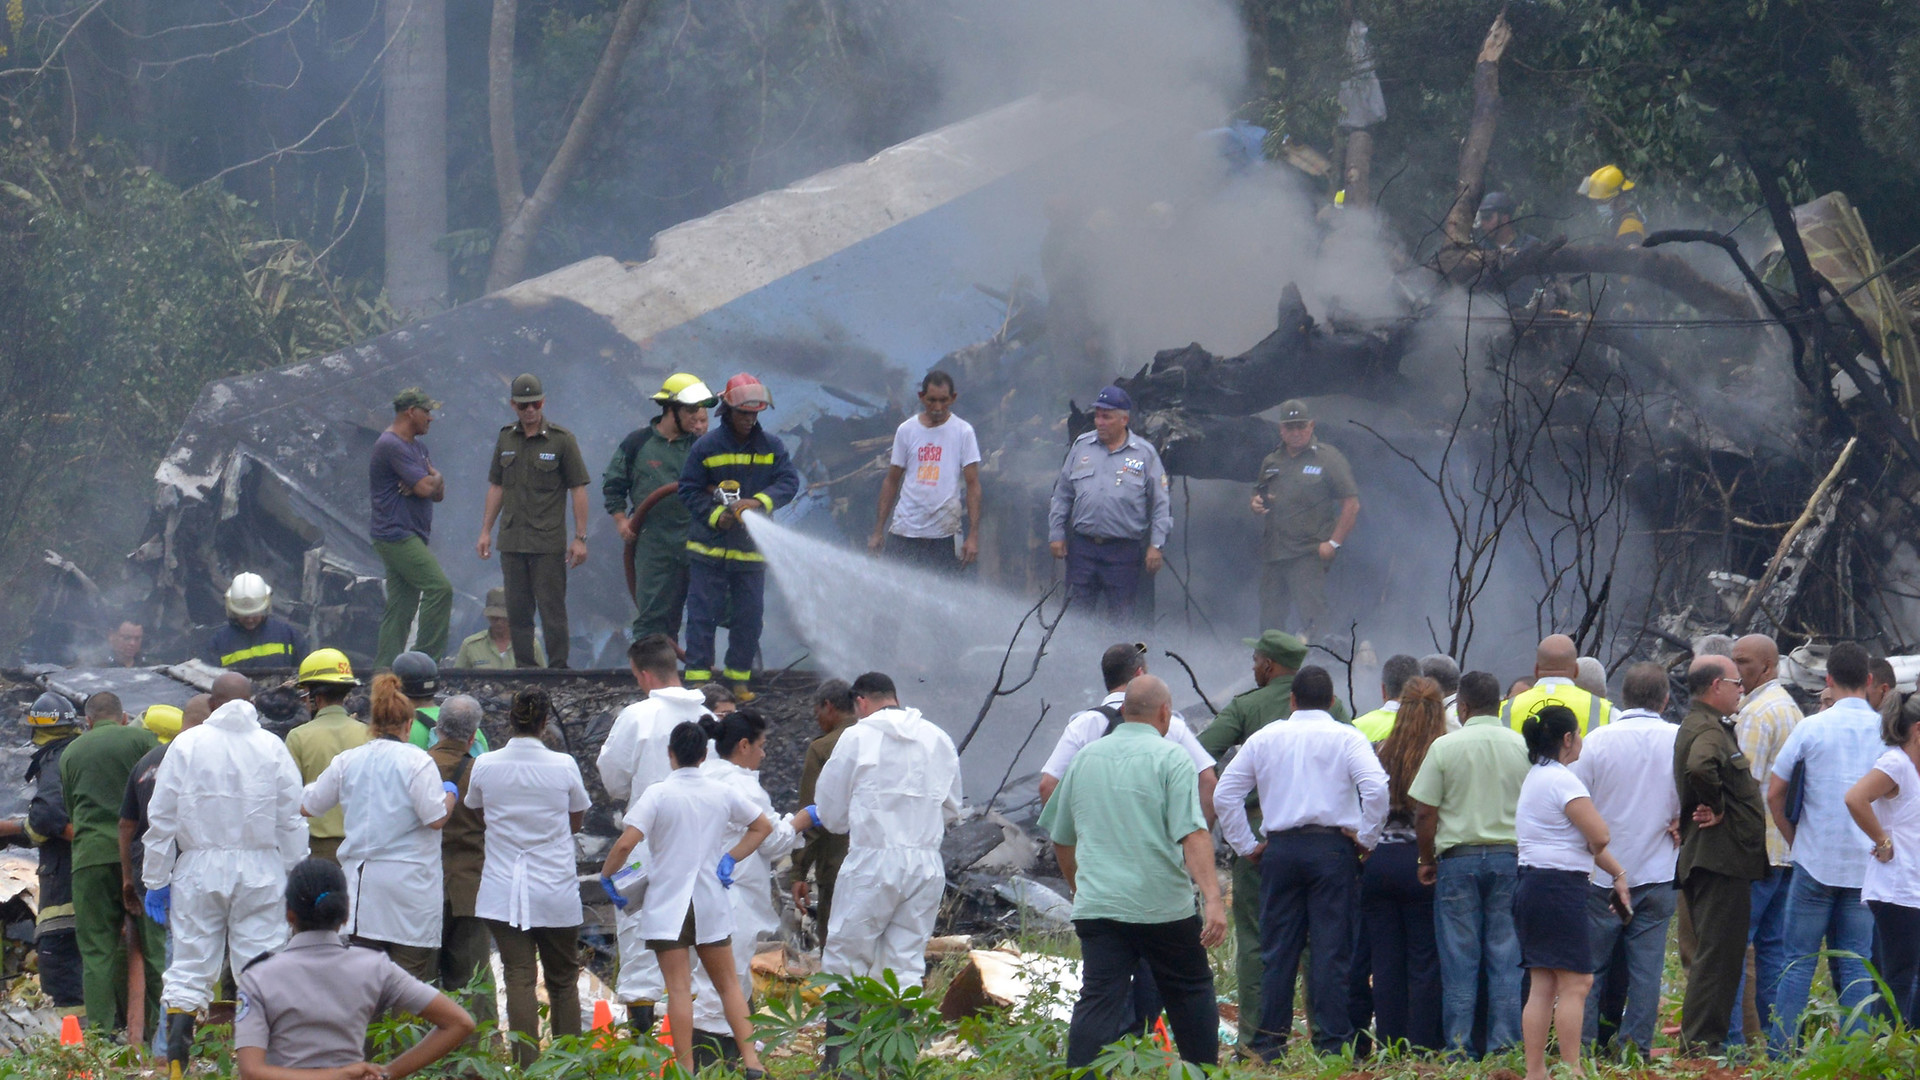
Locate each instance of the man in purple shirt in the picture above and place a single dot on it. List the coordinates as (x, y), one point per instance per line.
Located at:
(404, 485)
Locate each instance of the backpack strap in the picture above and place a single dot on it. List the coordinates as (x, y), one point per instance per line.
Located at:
(1112, 713)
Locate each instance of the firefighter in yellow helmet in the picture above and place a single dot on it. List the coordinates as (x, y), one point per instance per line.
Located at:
(639, 489)
(326, 678)
(1620, 216)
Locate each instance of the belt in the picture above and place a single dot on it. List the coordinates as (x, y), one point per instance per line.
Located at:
(1311, 830)
(1092, 539)
(1480, 849)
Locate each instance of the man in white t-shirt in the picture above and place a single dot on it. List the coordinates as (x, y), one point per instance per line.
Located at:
(920, 506)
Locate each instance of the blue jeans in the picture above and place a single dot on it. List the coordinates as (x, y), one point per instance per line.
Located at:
(1766, 932)
(1473, 929)
(1646, 941)
(1816, 912)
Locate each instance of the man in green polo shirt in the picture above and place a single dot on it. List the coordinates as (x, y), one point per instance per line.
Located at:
(1276, 656)
(93, 776)
(1465, 793)
(1132, 842)
(536, 467)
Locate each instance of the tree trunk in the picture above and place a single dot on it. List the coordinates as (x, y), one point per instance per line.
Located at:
(1359, 171)
(506, 143)
(1479, 141)
(518, 229)
(414, 89)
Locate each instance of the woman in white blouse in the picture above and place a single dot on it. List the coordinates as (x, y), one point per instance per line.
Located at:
(395, 805)
(532, 800)
(686, 821)
(1561, 838)
(739, 746)
(1885, 803)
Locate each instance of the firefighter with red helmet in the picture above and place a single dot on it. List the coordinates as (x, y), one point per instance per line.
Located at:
(734, 469)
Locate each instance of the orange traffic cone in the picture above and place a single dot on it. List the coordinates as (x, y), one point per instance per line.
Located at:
(603, 1023)
(69, 1030)
(1160, 1037)
(666, 1041)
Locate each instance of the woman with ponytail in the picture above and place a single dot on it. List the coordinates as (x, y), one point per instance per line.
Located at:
(304, 1008)
(1561, 838)
(395, 805)
(687, 820)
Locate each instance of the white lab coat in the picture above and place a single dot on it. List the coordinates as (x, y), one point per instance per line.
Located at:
(687, 819)
(893, 786)
(526, 792)
(223, 829)
(632, 759)
(391, 854)
(754, 908)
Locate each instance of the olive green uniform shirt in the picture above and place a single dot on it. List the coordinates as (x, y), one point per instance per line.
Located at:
(534, 475)
(1710, 771)
(1472, 777)
(93, 776)
(477, 651)
(1249, 712)
(314, 745)
(1124, 806)
(1304, 493)
(825, 851)
(463, 840)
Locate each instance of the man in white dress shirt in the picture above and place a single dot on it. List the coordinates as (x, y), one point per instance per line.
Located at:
(1120, 665)
(1628, 769)
(632, 759)
(1323, 796)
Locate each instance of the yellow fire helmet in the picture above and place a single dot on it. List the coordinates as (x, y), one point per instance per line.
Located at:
(162, 720)
(1606, 182)
(328, 666)
(684, 389)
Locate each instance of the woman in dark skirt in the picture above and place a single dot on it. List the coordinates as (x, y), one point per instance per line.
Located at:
(1562, 837)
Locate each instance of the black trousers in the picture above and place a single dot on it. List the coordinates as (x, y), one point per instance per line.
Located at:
(536, 581)
(1310, 892)
(1398, 912)
(1110, 954)
(1900, 956)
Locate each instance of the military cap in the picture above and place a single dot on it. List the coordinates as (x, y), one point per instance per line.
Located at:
(527, 388)
(1280, 647)
(1294, 411)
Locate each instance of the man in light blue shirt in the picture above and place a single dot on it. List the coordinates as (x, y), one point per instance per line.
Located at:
(1830, 854)
(1110, 515)
(1126, 824)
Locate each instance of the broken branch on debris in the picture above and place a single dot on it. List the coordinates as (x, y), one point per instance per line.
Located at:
(1000, 688)
(1814, 503)
(1184, 666)
(1015, 759)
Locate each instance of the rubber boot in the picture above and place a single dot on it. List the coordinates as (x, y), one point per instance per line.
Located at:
(713, 1048)
(830, 1051)
(640, 1016)
(179, 1042)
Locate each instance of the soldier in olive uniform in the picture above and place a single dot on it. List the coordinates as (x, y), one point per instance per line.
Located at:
(1276, 656)
(1307, 496)
(536, 465)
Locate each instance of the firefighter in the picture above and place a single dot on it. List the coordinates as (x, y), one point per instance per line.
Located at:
(639, 485)
(1620, 216)
(52, 724)
(735, 468)
(254, 637)
(326, 678)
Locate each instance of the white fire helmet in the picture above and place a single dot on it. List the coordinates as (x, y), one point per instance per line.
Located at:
(248, 595)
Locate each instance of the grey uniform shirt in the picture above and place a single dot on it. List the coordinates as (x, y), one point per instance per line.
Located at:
(308, 1003)
(1115, 495)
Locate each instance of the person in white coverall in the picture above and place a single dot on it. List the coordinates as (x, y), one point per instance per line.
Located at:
(685, 821)
(893, 786)
(223, 830)
(632, 759)
(396, 805)
(738, 749)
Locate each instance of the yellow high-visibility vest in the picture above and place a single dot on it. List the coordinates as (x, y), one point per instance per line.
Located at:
(1591, 711)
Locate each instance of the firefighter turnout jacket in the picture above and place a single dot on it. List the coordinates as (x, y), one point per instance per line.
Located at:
(759, 464)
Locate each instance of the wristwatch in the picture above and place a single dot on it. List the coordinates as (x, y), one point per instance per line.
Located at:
(582, 537)
(1335, 543)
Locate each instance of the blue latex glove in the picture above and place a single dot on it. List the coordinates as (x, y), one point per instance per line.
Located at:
(613, 894)
(813, 812)
(727, 863)
(158, 901)
(450, 787)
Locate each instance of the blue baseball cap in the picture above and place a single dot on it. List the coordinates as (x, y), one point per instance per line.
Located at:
(1112, 397)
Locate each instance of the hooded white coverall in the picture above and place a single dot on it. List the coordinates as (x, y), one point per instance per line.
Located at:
(632, 759)
(224, 828)
(754, 912)
(893, 786)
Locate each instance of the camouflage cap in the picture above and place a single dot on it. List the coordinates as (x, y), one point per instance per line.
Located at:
(1294, 411)
(413, 398)
(527, 388)
(1280, 647)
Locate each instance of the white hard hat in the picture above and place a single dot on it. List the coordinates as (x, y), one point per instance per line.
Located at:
(248, 595)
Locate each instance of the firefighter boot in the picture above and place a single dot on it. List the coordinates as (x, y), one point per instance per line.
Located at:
(640, 1016)
(179, 1042)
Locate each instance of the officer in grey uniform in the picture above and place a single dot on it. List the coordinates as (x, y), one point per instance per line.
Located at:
(1110, 514)
(307, 1004)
